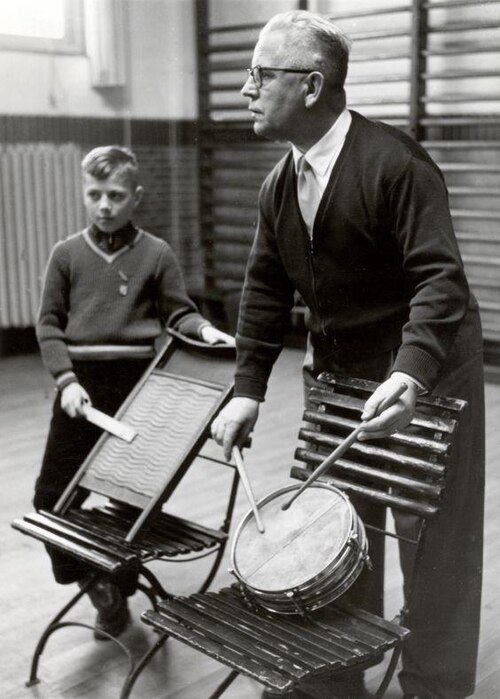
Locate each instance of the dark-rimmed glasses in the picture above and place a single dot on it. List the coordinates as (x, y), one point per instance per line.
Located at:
(258, 78)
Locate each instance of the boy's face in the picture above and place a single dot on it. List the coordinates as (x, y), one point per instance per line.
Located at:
(110, 203)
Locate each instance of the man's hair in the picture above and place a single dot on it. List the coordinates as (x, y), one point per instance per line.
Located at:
(103, 161)
(315, 38)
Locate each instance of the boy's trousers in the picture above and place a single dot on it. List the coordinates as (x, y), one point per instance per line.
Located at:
(70, 440)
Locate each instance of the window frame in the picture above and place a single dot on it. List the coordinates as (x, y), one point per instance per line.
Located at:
(73, 41)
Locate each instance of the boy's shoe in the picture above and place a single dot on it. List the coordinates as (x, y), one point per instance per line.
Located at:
(113, 615)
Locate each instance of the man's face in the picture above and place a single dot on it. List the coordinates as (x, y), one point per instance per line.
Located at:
(278, 105)
(110, 203)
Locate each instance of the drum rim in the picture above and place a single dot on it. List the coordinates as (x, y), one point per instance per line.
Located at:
(312, 580)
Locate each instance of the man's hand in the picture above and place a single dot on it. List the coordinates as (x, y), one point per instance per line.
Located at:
(212, 336)
(234, 423)
(74, 398)
(393, 418)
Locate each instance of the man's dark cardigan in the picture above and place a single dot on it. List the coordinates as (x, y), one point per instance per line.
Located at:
(382, 270)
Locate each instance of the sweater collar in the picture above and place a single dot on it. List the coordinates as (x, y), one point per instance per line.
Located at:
(320, 154)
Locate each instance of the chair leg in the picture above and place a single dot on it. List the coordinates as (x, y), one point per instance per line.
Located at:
(56, 624)
(391, 668)
(224, 684)
(157, 588)
(141, 664)
(213, 570)
(225, 528)
(149, 594)
(49, 630)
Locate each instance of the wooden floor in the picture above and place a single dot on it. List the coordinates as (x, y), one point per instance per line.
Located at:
(74, 666)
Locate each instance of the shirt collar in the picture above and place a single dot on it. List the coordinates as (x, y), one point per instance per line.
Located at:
(319, 156)
(114, 241)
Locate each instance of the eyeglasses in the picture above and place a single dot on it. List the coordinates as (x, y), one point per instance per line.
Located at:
(258, 78)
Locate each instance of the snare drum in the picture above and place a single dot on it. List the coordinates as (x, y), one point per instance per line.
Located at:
(309, 555)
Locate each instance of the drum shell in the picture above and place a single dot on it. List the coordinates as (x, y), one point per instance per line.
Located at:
(321, 588)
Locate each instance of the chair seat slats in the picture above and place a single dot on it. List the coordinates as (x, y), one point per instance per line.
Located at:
(278, 629)
(367, 473)
(275, 649)
(342, 639)
(108, 531)
(238, 636)
(234, 659)
(374, 453)
(390, 627)
(419, 507)
(86, 537)
(103, 562)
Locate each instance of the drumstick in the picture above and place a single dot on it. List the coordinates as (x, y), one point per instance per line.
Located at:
(344, 446)
(238, 460)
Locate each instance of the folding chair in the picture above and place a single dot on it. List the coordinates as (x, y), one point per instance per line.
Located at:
(170, 409)
(406, 471)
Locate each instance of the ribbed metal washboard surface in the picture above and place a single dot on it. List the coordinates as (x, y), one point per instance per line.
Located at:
(167, 413)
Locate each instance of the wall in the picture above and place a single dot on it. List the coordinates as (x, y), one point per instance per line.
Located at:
(49, 99)
(160, 66)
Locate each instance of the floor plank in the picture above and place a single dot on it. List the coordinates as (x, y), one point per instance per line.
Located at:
(74, 666)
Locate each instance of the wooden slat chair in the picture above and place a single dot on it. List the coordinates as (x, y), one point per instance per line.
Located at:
(406, 471)
(171, 409)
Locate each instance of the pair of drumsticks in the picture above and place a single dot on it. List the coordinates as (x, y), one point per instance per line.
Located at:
(323, 466)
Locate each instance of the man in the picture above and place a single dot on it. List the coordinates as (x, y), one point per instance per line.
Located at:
(355, 217)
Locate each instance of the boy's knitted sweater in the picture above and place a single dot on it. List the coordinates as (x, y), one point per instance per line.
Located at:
(97, 305)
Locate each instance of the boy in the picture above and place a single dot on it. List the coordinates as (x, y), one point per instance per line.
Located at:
(109, 291)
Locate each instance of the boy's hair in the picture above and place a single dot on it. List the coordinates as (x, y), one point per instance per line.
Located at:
(101, 162)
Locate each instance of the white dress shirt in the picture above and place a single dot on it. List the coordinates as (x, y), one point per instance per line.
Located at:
(323, 155)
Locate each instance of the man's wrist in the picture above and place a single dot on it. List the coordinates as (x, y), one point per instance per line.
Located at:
(403, 376)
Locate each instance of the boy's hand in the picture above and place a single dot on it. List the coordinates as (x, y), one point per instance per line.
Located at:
(73, 399)
(212, 336)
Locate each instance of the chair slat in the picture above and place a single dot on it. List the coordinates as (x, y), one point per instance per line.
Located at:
(439, 404)
(430, 422)
(284, 631)
(258, 641)
(219, 628)
(86, 536)
(375, 453)
(176, 627)
(368, 473)
(105, 562)
(420, 508)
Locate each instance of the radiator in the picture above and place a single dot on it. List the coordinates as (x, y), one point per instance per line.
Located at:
(40, 203)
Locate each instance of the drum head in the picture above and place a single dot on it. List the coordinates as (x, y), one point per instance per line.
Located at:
(298, 543)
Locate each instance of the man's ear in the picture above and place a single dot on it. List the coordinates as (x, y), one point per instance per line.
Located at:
(314, 84)
(139, 191)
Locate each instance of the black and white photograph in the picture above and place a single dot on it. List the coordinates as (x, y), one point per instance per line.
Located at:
(250, 349)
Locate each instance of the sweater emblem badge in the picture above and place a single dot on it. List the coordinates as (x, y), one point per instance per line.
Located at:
(123, 289)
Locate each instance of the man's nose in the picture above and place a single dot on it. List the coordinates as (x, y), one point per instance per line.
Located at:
(104, 202)
(249, 88)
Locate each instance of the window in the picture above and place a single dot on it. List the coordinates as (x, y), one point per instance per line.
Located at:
(42, 25)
